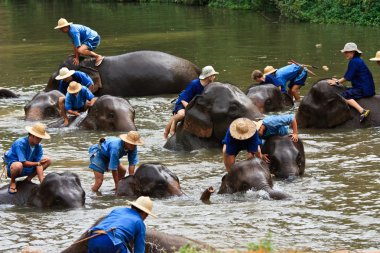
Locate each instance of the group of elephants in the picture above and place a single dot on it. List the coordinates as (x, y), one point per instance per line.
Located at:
(208, 116)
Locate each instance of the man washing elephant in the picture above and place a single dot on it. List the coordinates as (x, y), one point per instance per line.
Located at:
(278, 125)
(25, 157)
(107, 153)
(193, 89)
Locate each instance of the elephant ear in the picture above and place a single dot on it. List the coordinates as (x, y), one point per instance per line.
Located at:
(197, 119)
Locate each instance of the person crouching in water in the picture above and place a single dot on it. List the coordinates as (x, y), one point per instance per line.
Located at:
(194, 88)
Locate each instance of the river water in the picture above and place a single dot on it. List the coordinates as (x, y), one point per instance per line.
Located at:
(336, 205)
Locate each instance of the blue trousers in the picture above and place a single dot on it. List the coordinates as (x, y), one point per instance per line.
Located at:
(103, 244)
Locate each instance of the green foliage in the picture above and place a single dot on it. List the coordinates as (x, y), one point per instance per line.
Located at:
(189, 249)
(257, 5)
(264, 245)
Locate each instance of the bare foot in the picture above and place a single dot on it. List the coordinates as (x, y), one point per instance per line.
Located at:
(12, 188)
(99, 60)
(66, 122)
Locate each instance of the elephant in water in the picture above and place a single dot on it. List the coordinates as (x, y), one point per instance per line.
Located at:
(43, 105)
(5, 93)
(287, 158)
(269, 98)
(323, 107)
(154, 180)
(140, 73)
(244, 176)
(209, 115)
(56, 191)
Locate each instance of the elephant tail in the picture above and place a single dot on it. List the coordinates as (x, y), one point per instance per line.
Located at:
(205, 197)
(274, 194)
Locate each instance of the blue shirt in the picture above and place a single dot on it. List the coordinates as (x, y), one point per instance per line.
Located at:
(289, 72)
(277, 125)
(81, 33)
(360, 76)
(234, 146)
(77, 102)
(273, 80)
(192, 89)
(113, 149)
(21, 151)
(79, 77)
(129, 227)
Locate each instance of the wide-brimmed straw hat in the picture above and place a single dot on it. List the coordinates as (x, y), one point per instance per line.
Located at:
(144, 204)
(208, 71)
(62, 22)
(350, 46)
(377, 57)
(74, 87)
(269, 70)
(38, 130)
(64, 73)
(242, 128)
(258, 124)
(132, 137)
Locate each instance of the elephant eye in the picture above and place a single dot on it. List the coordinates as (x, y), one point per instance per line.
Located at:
(111, 115)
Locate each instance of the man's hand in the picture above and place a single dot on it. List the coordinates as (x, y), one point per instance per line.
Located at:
(294, 137)
(76, 61)
(43, 160)
(333, 82)
(265, 158)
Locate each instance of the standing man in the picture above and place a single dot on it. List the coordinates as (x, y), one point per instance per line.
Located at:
(278, 125)
(25, 157)
(84, 39)
(107, 153)
(121, 228)
(78, 99)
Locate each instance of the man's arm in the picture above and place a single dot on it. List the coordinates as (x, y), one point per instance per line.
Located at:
(294, 127)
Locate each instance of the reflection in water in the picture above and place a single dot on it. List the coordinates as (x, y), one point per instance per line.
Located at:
(336, 204)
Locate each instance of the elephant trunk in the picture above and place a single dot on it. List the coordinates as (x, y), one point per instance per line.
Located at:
(277, 195)
(205, 197)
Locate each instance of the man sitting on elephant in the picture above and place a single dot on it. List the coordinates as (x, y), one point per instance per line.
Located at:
(278, 125)
(122, 228)
(194, 88)
(241, 135)
(78, 99)
(107, 153)
(266, 78)
(25, 157)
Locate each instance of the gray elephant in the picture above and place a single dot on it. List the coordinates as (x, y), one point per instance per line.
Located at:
(287, 158)
(209, 115)
(244, 176)
(269, 98)
(5, 93)
(56, 191)
(153, 180)
(323, 107)
(141, 73)
(43, 105)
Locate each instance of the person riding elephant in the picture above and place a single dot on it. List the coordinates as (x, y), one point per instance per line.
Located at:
(57, 190)
(209, 115)
(25, 157)
(140, 73)
(44, 105)
(153, 180)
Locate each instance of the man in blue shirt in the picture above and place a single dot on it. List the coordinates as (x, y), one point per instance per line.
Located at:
(241, 135)
(193, 89)
(122, 228)
(84, 39)
(107, 154)
(360, 77)
(78, 99)
(278, 125)
(267, 78)
(66, 76)
(25, 157)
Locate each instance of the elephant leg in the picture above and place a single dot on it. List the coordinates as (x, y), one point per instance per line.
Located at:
(98, 181)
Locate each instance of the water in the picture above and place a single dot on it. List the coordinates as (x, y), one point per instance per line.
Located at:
(336, 205)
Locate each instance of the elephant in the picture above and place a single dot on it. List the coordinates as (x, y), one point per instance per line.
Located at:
(244, 176)
(269, 98)
(140, 73)
(43, 105)
(323, 107)
(5, 93)
(57, 190)
(209, 115)
(150, 179)
(287, 158)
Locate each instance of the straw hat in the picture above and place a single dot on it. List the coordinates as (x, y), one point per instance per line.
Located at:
(377, 57)
(38, 130)
(242, 128)
(144, 204)
(350, 46)
(132, 137)
(258, 124)
(62, 22)
(74, 87)
(269, 70)
(208, 71)
(64, 73)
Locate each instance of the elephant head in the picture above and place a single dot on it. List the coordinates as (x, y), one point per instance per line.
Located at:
(268, 98)
(111, 114)
(4, 93)
(323, 107)
(43, 105)
(287, 158)
(154, 180)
